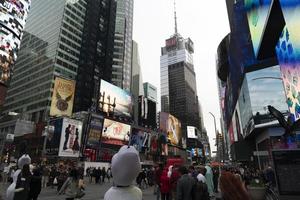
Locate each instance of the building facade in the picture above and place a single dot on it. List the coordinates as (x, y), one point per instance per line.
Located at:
(62, 39)
(121, 68)
(178, 81)
(150, 92)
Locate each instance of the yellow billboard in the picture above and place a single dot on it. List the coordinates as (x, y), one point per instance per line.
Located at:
(172, 127)
(62, 97)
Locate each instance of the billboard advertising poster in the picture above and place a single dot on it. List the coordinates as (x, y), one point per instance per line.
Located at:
(70, 140)
(94, 133)
(257, 14)
(115, 101)
(115, 132)
(191, 132)
(172, 126)
(62, 97)
(288, 55)
(53, 138)
(139, 139)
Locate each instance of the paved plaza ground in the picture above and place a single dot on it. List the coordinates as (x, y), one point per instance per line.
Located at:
(93, 192)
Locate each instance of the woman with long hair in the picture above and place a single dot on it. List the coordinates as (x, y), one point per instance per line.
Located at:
(232, 187)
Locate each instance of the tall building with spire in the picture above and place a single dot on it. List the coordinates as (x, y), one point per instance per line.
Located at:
(178, 80)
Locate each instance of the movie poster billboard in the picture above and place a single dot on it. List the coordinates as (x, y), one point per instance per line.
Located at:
(171, 126)
(70, 140)
(95, 130)
(13, 16)
(62, 97)
(53, 137)
(114, 101)
(115, 132)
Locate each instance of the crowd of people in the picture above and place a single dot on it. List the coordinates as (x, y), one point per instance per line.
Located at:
(170, 181)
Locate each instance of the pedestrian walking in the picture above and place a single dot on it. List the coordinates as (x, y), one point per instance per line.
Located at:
(201, 190)
(23, 184)
(103, 174)
(125, 167)
(165, 185)
(185, 185)
(71, 187)
(158, 173)
(232, 188)
(35, 185)
(209, 180)
(45, 176)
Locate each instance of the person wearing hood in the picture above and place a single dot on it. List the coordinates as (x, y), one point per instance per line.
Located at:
(35, 184)
(209, 180)
(125, 167)
(20, 186)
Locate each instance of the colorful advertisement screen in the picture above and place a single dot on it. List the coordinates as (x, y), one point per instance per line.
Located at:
(13, 16)
(196, 152)
(115, 101)
(62, 97)
(191, 132)
(95, 131)
(257, 14)
(70, 140)
(288, 54)
(115, 132)
(53, 138)
(139, 139)
(172, 127)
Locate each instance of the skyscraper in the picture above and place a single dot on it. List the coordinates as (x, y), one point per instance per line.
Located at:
(178, 81)
(121, 68)
(55, 44)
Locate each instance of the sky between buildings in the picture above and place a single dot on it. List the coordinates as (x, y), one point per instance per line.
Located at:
(205, 22)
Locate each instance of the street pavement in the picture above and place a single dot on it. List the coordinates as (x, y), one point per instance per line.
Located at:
(93, 192)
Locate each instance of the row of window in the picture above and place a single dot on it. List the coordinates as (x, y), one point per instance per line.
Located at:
(66, 65)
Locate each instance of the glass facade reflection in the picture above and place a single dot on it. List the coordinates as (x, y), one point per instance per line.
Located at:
(261, 88)
(50, 47)
(121, 69)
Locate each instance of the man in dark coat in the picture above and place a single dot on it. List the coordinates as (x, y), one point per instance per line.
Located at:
(67, 134)
(185, 185)
(35, 185)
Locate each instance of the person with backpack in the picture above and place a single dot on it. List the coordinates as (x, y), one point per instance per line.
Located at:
(201, 190)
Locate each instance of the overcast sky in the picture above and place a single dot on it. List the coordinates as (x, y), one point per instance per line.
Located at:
(205, 22)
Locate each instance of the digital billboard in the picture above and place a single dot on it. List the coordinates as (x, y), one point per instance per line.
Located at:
(257, 14)
(139, 139)
(171, 126)
(115, 101)
(62, 97)
(13, 16)
(288, 54)
(115, 132)
(95, 131)
(70, 140)
(196, 152)
(53, 137)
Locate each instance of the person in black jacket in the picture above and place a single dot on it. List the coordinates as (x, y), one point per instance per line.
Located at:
(35, 185)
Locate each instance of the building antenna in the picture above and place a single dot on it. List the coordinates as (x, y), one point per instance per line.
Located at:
(175, 18)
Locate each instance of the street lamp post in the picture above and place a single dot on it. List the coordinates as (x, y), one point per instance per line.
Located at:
(218, 153)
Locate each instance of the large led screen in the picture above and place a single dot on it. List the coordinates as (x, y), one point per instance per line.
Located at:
(115, 101)
(115, 132)
(172, 127)
(95, 130)
(257, 14)
(139, 139)
(288, 54)
(13, 16)
(70, 140)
